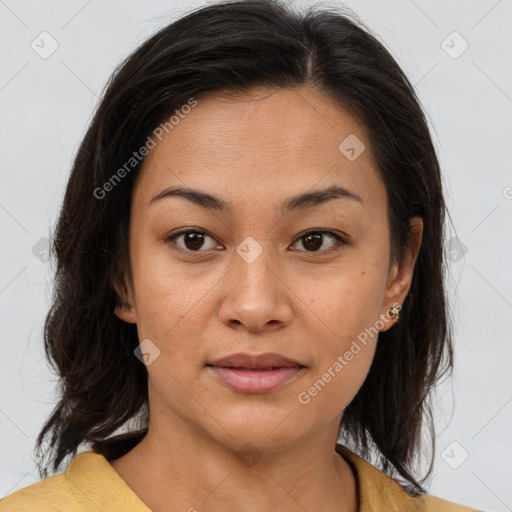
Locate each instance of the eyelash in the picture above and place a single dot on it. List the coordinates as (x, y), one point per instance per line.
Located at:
(339, 239)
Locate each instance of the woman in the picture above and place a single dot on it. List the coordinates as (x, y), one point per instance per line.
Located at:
(250, 263)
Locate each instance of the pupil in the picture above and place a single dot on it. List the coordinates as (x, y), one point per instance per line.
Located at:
(193, 240)
(316, 238)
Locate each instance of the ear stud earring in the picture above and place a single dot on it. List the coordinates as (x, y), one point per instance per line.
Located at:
(395, 313)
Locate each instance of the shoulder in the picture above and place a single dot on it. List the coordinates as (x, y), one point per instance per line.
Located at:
(44, 496)
(88, 484)
(378, 491)
(429, 503)
(64, 491)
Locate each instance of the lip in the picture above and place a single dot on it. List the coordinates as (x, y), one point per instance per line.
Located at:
(255, 361)
(253, 374)
(250, 381)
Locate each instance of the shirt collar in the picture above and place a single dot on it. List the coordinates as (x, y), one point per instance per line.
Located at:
(93, 476)
(376, 490)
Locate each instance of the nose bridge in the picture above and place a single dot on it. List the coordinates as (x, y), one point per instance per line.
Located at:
(253, 263)
(254, 298)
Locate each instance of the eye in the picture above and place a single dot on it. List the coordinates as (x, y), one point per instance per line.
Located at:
(193, 240)
(313, 241)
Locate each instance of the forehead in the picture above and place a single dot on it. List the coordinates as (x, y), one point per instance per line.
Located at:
(273, 141)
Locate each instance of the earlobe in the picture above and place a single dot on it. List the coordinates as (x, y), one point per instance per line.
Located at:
(390, 317)
(125, 312)
(124, 309)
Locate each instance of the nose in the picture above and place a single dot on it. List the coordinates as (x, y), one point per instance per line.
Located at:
(256, 297)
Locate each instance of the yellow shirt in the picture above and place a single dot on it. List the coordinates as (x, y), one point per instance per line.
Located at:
(91, 484)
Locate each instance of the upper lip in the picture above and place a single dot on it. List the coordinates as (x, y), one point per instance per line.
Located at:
(241, 360)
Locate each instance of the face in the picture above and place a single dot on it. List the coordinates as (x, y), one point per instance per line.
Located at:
(254, 270)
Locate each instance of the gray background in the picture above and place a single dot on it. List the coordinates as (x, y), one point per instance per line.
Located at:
(46, 104)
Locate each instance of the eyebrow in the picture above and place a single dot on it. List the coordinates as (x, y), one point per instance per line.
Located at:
(301, 201)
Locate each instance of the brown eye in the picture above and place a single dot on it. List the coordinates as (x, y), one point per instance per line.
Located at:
(315, 241)
(192, 240)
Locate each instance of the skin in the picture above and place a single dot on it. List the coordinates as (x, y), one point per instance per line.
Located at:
(296, 299)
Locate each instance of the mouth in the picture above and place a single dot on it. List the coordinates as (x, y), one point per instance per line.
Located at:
(265, 361)
(256, 373)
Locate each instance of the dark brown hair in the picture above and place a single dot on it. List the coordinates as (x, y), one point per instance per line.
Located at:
(235, 46)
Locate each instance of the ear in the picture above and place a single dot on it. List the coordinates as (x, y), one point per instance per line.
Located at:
(125, 309)
(400, 275)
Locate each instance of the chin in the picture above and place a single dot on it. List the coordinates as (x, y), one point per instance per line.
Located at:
(263, 427)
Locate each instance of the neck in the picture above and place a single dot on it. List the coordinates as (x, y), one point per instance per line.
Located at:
(174, 472)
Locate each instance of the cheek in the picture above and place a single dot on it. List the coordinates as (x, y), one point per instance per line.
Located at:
(173, 309)
(350, 314)
(160, 295)
(336, 384)
(348, 300)
(344, 356)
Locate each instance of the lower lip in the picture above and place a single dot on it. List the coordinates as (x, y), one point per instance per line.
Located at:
(256, 381)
